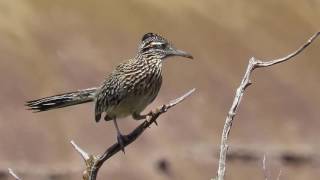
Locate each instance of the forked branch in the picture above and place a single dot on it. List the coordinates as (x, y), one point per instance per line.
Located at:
(93, 163)
(253, 64)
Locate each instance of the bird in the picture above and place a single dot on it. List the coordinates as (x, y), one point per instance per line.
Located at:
(127, 90)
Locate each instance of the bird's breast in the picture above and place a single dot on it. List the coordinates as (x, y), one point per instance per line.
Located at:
(141, 89)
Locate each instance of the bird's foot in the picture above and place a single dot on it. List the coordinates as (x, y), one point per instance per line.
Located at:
(147, 117)
(121, 141)
(150, 115)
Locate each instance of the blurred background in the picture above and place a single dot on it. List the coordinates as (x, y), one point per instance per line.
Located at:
(49, 47)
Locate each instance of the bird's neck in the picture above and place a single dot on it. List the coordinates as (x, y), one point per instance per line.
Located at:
(150, 59)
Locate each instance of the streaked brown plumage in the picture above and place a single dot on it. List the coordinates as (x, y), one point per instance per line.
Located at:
(132, 86)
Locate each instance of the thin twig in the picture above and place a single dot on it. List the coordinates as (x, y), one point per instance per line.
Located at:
(83, 154)
(264, 168)
(13, 174)
(253, 64)
(93, 163)
(88, 160)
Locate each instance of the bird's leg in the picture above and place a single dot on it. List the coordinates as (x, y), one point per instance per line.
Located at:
(120, 137)
(138, 116)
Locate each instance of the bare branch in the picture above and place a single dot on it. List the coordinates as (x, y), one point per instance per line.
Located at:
(298, 51)
(88, 160)
(253, 64)
(93, 163)
(13, 174)
(264, 168)
(83, 154)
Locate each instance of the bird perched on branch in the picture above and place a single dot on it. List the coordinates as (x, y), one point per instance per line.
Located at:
(132, 85)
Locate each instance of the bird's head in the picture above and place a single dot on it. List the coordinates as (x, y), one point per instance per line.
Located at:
(155, 45)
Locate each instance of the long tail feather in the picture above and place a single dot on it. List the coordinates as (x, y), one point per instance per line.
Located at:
(62, 100)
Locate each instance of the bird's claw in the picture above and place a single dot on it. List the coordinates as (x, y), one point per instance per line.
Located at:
(155, 122)
(121, 138)
(150, 115)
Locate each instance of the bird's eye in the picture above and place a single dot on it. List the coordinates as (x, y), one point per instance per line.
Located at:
(155, 45)
(162, 46)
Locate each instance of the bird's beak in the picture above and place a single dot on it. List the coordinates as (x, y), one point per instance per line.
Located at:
(177, 52)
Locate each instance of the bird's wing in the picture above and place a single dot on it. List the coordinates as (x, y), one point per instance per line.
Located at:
(114, 89)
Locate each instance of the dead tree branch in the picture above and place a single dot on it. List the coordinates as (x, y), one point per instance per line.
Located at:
(264, 167)
(265, 170)
(13, 174)
(93, 163)
(254, 63)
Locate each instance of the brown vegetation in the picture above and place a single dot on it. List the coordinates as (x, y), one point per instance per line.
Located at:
(48, 47)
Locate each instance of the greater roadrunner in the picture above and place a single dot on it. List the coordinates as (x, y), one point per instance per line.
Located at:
(132, 86)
